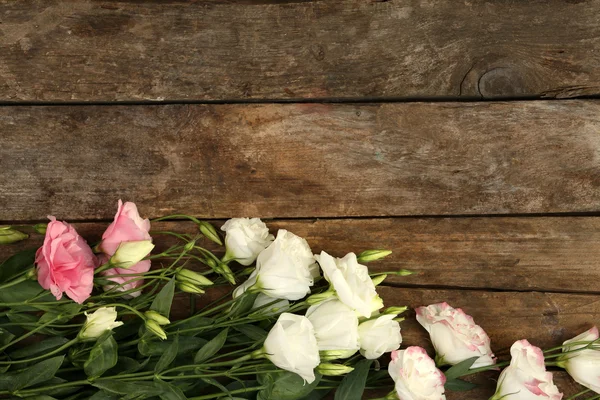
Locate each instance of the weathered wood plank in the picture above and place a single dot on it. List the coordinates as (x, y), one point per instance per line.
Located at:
(87, 50)
(546, 254)
(301, 160)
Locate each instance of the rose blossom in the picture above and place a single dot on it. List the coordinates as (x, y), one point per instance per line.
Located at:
(283, 270)
(335, 324)
(379, 335)
(127, 226)
(65, 262)
(351, 281)
(245, 238)
(526, 377)
(415, 375)
(291, 345)
(455, 336)
(583, 365)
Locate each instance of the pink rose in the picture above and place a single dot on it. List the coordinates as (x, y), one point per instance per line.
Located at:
(526, 377)
(415, 375)
(128, 226)
(65, 262)
(455, 336)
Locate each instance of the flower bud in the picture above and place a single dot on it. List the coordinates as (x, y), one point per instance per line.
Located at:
(210, 232)
(224, 270)
(193, 277)
(32, 274)
(329, 369)
(211, 263)
(9, 235)
(320, 297)
(160, 319)
(330, 355)
(373, 255)
(378, 279)
(40, 228)
(155, 328)
(189, 288)
(189, 246)
(404, 272)
(395, 310)
(98, 322)
(130, 253)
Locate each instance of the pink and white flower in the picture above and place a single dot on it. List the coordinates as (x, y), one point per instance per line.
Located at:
(455, 335)
(65, 262)
(583, 365)
(127, 226)
(526, 377)
(416, 376)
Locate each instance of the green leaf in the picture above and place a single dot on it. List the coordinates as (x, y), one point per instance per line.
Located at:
(460, 369)
(37, 373)
(286, 386)
(125, 365)
(239, 384)
(317, 394)
(64, 313)
(187, 344)
(458, 385)
(168, 356)
(120, 387)
(40, 397)
(39, 348)
(102, 357)
(252, 331)
(17, 264)
(164, 298)
(5, 337)
(25, 291)
(212, 347)
(243, 304)
(104, 395)
(217, 384)
(191, 322)
(168, 391)
(353, 384)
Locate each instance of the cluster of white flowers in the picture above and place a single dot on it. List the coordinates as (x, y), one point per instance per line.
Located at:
(338, 323)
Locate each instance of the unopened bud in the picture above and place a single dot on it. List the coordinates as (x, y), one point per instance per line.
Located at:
(32, 275)
(319, 297)
(40, 228)
(399, 319)
(155, 328)
(329, 369)
(131, 253)
(193, 277)
(160, 319)
(189, 246)
(224, 270)
(378, 279)
(395, 310)
(373, 255)
(404, 272)
(330, 355)
(189, 288)
(210, 232)
(9, 235)
(211, 263)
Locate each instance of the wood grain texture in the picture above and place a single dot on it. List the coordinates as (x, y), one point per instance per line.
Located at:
(301, 160)
(524, 254)
(85, 50)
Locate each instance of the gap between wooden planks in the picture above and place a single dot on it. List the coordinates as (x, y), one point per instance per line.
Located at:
(301, 160)
(255, 49)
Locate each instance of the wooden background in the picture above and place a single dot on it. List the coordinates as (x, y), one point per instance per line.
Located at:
(462, 135)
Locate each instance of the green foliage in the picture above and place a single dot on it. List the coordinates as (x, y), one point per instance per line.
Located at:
(212, 347)
(17, 265)
(168, 356)
(37, 373)
(285, 386)
(163, 300)
(353, 384)
(103, 356)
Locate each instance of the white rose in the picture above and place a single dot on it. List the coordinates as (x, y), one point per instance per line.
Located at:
(98, 322)
(351, 282)
(245, 238)
(583, 365)
(526, 377)
(291, 345)
(270, 306)
(415, 375)
(379, 335)
(455, 336)
(282, 269)
(335, 324)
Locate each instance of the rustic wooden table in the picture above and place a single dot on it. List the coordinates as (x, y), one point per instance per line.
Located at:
(442, 130)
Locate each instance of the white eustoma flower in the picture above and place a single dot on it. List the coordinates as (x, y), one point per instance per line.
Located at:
(283, 270)
(379, 335)
(131, 253)
(102, 320)
(526, 377)
(335, 324)
(455, 336)
(583, 365)
(291, 345)
(245, 238)
(415, 375)
(351, 282)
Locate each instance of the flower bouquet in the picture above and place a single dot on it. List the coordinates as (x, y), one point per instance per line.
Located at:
(95, 321)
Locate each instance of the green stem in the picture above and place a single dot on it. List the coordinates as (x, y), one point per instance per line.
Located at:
(135, 311)
(238, 391)
(58, 350)
(177, 216)
(486, 368)
(13, 283)
(579, 394)
(211, 365)
(31, 332)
